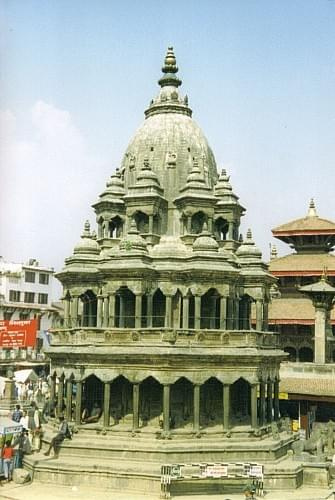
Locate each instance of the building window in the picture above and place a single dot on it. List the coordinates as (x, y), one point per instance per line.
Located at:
(14, 295)
(7, 315)
(29, 277)
(44, 279)
(42, 298)
(29, 297)
(13, 279)
(24, 316)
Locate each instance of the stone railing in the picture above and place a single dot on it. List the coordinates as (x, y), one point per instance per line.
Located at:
(294, 369)
(167, 336)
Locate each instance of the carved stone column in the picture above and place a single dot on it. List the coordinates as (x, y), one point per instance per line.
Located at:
(166, 408)
(66, 312)
(138, 310)
(269, 402)
(149, 310)
(107, 396)
(106, 312)
(79, 392)
(111, 321)
(259, 315)
(100, 300)
(223, 313)
(276, 399)
(237, 314)
(197, 311)
(69, 400)
(186, 312)
(168, 311)
(52, 388)
(262, 412)
(60, 395)
(136, 406)
(254, 416)
(196, 407)
(226, 407)
(74, 310)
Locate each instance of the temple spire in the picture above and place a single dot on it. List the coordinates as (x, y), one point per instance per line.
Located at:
(312, 209)
(170, 69)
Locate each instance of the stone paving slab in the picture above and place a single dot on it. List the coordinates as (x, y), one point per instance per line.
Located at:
(36, 491)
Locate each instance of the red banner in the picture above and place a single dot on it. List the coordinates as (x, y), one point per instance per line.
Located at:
(18, 333)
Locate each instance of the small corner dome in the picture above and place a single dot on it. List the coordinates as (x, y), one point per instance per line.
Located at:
(88, 243)
(205, 242)
(248, 248)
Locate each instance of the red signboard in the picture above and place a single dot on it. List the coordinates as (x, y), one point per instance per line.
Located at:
(18, 333)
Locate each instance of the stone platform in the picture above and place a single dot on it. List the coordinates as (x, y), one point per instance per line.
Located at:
(125, 462)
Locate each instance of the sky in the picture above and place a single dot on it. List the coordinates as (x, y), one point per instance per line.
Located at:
(77, 76)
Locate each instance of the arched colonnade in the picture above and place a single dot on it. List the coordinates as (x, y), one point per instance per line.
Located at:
(169, 406)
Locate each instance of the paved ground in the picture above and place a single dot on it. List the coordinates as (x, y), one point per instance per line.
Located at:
(39, 491)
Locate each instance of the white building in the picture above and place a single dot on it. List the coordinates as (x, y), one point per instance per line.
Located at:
(26, 293)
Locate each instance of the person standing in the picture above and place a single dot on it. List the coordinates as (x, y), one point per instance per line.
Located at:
(17, 414)
(34, 426)
(7, 457)
(23, 447)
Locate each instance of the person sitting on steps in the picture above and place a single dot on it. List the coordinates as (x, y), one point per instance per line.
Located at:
(56, 441)
(94, 416)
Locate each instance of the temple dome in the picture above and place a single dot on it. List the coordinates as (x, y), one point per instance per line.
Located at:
(169, 138)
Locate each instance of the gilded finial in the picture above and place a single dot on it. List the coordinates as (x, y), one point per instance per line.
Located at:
(249, 234)
(312, 209)
(170, 69)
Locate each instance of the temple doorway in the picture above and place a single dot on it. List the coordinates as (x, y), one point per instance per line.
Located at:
(211, 407)
(150, 402)
(181, 404)
(122, 402)
(240, 402)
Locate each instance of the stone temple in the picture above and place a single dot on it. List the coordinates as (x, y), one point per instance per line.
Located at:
(157, 327)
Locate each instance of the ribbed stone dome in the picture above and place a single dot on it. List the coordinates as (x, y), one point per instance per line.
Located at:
(170, 139)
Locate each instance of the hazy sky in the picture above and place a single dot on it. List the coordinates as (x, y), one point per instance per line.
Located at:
(76, 77)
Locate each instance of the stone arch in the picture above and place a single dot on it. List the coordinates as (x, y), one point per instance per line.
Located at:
(115, 227)
(93, 394)
(221, 227)
(211, 403)
(89, 308)
(306, 354)
(142, 221)
(292, 352)
(197, 222)
(158, 308)
(151, 401)
(121, 408)
(240, 402)
(182, 404)
(210, 309)
(124, 308)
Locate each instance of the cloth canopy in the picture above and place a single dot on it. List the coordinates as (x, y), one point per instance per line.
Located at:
(8, 426)
(23, 376)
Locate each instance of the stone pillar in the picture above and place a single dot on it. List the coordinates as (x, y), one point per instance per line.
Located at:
(226, 407)
(122, 312)
(74, 310)
(265, 316)
(197, 311)
(166, 408)
(60, 396)
(196, 407)
(149, 310)
(79, 392)
(107, 397)
(106, 312)
(212, 316)
(138, 310)
(66, 312)
(136, 406)
(269, 402)
(231, 230)
(262, 412)
(69, 400)
(223, 313)
(186, 312)
(254, 416)
(189, 224)
(168, 310)
(151, 224)
(320, 335)
(100, 310)
(52, 388)
(237, 314)
(259, 315)
(276, 399)
(111, 321)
